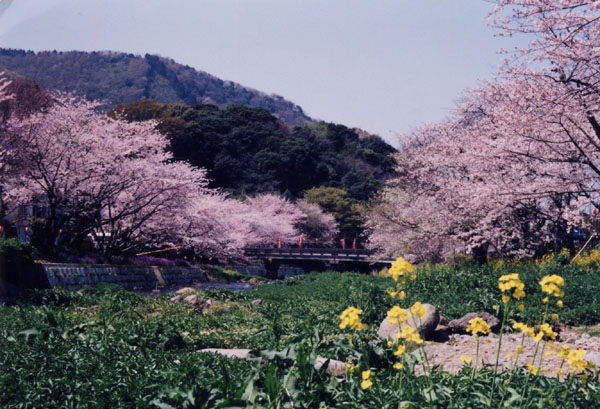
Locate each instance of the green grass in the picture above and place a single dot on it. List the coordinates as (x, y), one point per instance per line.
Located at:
(106, 347)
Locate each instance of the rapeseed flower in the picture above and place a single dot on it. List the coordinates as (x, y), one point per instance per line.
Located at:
(398, 366)
(350, 318)
(524, 328)
(510, 282)
(397, 315)
(399, 268)
(366, 382)
(478, 326)
(400, 350)
(418, 310)
(552, 285)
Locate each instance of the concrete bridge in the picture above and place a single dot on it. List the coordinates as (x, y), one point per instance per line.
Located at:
(316, 259)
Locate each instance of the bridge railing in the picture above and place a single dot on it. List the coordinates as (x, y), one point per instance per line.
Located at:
(305, 252)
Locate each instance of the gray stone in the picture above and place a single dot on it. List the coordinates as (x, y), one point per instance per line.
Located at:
(334, 367)
(192, 299)
(593, 357)
(460, 325)
(231, 353)
(426, 327)
(185, 290)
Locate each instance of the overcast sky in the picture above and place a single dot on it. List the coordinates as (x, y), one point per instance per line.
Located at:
(382, 65)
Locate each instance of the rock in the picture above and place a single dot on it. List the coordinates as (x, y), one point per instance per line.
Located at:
(191, 299)
(254, 280)
(231, 353)
(335, 367)
(176, 299)
(185, 290)
(426, 327)
(443, 322)
(593, 357)
(258, 301)
(460, 325)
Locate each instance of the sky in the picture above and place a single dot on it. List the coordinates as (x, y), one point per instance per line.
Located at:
(386, 66)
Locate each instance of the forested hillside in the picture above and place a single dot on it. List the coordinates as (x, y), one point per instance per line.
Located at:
(248, 150)
(118, 78)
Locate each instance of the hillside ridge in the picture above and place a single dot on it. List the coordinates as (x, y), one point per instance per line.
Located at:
(117, 78)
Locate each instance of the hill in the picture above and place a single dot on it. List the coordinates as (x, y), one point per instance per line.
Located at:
(247, 150)
(118, 78)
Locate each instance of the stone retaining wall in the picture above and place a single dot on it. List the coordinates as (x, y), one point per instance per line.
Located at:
(285, 270)
(130, 277)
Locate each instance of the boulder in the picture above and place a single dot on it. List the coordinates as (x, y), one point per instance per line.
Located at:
(334, 367)
(426, 327)
(460, 325)
(192, 299)
(176, 299)
(185, 290)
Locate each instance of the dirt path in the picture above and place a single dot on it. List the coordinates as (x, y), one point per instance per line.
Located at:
(448, 354)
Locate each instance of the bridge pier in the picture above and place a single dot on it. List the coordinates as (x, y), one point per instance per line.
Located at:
(272, 267)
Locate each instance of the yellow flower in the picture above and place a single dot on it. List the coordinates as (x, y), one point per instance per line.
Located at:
(400, 350)
(505, 298)
(400, 267)
(392, 293)
(548, 354)
(366, 383)
(402, 295)
(552, 285)
(519, 349)
(495, 307)
(396, 315)
(509, 282)
(547, 331)
(559, 304)
(413, 277)
(525, 329)
(521, 307)
(466, 359)
(418, 310)
(560, 372)
(554, 316)
(545, 300)
(350, 318)
(511, 355)
(575, 359)
(398, 366)
(478, 326)
(582, 390)
(533, 369)
(351, 367)
(390, 343)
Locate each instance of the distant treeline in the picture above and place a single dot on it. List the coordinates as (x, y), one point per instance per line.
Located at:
(248, 150)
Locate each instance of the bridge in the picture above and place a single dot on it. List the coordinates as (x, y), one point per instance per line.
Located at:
(316, 258)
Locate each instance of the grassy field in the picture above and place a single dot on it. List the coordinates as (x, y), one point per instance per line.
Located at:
(108, 348)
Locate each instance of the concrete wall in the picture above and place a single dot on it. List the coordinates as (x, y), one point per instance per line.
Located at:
(130, 277)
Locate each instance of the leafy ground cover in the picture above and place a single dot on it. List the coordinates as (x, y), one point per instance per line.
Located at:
(106, 347)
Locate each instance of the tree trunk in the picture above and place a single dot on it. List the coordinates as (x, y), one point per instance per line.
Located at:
(480, 254)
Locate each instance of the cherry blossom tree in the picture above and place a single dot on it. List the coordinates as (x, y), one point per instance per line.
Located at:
(5, 167)
(515, 164)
